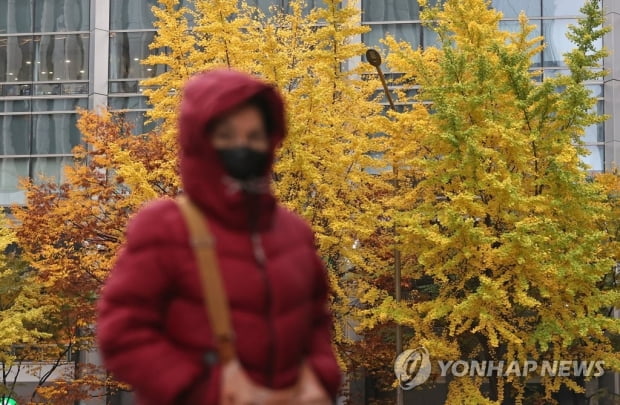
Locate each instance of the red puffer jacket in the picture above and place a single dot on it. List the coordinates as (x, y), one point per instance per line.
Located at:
(152, 328)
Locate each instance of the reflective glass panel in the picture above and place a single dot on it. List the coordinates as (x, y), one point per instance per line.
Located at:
(430, 38)
(562, 8)
(59, 104)
(15, 16)
(554, 32)
(16, 58)
(54, 133)
(124, 87)
(14, 106)
(137, 120)
(127, 49)
(264, 5)
(401, 32)
(596, 90)
(594, 133)
(10, 90)
(53, 167)
(310, 4)
(390, 10)
(11, 170)
(61, 57)
(74, 88)
(512, 8)
(596, 158)
(126, 15)
(267, 6)
(514, 26)
(127, 103)
(62, 15)
(53, 89)
(15, 134)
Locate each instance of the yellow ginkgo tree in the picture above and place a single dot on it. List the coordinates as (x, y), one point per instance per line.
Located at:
(325, 169)
(28, 331)
(501, 230)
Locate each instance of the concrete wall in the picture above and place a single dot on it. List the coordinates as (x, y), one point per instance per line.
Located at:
(612, 84)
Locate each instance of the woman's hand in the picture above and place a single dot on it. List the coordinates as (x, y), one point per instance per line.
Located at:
(311, 391)
(239, 389)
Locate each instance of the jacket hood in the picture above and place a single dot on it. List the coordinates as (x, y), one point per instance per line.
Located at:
(207, 97)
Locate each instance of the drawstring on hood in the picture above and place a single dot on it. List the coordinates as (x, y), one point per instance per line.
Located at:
(227, 199)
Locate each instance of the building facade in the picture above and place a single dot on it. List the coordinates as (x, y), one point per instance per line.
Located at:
(57, 56)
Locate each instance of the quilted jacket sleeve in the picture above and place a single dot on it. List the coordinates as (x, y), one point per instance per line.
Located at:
(130, 330)
(322, 358)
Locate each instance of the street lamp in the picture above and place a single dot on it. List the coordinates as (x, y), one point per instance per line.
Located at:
(374, 59)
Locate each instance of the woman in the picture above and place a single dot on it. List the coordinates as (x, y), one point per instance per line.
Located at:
(153, 330)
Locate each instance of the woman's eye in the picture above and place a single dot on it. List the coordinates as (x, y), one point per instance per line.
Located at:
(258, 135)
(224, 135)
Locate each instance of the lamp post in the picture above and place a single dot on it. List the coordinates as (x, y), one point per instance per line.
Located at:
(374, 59)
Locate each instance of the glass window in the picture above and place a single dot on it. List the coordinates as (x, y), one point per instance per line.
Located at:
(266, 6)
(310, 4)
(562, 8)
(11, 170)
(401, 32)
(514, 26)
(47, 89)
(61, 57)
(127, 103)
(430, 38)
(16, 58)
(59, 104)
(435, 3)
(596, 158)
(391, 10)
(554, 32)
(263, 5)
(54, 133)
(131, 86)
(15, 130)
(595, 89)
(554, 72)
(137, 120)
(61, 15)
(9, 90)
(14, 106)
(599, 107)
(126, 15)
(512, 8)
(74, 88)
(127, 49)
(15, 16)
(53, 167)
(594, 133)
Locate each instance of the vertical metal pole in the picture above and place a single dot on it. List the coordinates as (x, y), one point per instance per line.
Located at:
(98, 71)
(375, 59)
(399, 329)
(385, 87)
(98, 63)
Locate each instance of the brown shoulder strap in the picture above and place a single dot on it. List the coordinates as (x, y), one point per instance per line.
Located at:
(216, 302)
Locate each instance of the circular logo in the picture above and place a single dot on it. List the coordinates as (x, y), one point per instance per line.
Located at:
(412, 367)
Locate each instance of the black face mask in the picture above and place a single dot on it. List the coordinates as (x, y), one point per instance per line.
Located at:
(243, 163)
